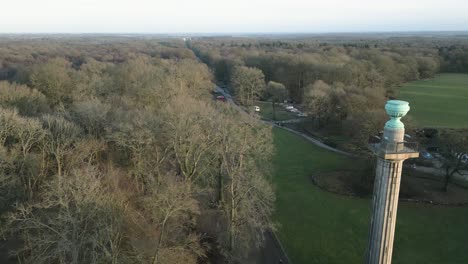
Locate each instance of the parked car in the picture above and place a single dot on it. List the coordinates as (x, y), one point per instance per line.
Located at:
(464, 157)
(302, 115)
(257, 108)
(426, 155)
(221, 98)
(289, 107)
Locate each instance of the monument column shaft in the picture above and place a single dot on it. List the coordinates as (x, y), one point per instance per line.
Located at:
(391, 152)
(384, 207)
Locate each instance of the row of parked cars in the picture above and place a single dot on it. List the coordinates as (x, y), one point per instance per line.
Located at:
(427, 155)
(292, 109)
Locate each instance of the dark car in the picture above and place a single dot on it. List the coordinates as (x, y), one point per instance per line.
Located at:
(426, 155)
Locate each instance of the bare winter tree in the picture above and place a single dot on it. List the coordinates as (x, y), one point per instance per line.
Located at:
(277, 93)
(454, 149)
(248, 84)
(172, 209)
(192, 136)
(77, 223)
(141, 135)
(248, 201)
(60, 137)
(23, 134)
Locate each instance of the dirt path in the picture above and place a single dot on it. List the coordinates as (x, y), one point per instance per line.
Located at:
(273, 252)
(312, 140)
(439, 173)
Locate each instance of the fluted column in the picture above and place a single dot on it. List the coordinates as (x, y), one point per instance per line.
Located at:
(387, 185)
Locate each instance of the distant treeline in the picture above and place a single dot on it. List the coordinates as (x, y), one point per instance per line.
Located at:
(297, 64)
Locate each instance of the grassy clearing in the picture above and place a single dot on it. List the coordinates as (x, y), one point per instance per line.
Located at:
(438, 102)
(266, 112)
(320, 227)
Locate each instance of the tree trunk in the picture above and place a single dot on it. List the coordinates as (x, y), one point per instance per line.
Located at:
(274, 110)
(161, 237)
(448, 176)
(232, 216)
(446, 179)
(59, 169)
(220, 184)
(75, 248)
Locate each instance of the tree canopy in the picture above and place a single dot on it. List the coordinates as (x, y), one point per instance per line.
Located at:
(112, 151)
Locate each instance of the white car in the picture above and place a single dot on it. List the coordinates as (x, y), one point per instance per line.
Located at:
(289, 107)
(257, 108)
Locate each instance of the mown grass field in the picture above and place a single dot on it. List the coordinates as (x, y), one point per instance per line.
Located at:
(438, 102)
(321, 227)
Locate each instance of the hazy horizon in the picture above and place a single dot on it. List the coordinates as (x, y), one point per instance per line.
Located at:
(260, 33)
(242, 16)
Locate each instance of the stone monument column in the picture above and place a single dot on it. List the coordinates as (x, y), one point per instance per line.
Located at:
(390, 152)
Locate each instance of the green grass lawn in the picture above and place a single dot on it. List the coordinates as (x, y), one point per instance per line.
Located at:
(438, 102)
(321, 227)
(266, 112)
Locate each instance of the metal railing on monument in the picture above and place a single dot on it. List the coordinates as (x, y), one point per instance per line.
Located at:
(377, 144)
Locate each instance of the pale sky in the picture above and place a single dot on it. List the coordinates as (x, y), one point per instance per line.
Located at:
(234, 16)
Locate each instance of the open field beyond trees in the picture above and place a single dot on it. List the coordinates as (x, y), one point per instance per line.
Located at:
(438, 102)
(321, 227)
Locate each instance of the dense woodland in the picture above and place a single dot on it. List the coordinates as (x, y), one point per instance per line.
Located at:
(112, 149)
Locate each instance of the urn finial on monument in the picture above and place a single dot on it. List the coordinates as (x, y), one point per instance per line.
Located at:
(394, 130)
(396, 109)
